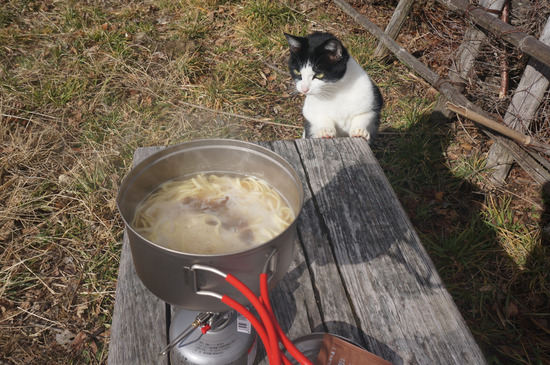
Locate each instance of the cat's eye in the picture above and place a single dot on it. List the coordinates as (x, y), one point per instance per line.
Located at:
(320, 75)
(296, 72)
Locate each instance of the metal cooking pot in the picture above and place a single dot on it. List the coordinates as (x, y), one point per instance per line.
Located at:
(171, 275)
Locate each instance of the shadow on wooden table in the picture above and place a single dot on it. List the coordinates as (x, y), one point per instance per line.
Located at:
(359, 262)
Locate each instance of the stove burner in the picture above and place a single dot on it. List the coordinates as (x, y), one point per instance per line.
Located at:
(225, 338)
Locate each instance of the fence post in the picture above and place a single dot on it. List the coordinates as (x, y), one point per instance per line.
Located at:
(394, 26)
(521, 111)
(464, 60)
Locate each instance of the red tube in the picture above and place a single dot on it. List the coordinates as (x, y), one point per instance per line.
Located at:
(286, 361)
(264, 290)
(253, 320)
(264, 315)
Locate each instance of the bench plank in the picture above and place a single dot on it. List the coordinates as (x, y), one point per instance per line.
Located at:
(138, 328)
(404, 309)
(319, 258)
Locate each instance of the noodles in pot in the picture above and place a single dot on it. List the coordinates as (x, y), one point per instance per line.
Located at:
(211, 214)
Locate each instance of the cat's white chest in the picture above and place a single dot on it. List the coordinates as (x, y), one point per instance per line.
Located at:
(345, 99)
(336, 111)
(341, 105)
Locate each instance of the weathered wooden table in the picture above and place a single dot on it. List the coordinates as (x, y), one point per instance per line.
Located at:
(360, 270)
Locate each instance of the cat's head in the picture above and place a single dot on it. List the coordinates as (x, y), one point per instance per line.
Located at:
(316, 61)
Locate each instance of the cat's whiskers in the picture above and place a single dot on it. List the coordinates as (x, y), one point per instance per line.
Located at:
(321, 97)
(327, 91)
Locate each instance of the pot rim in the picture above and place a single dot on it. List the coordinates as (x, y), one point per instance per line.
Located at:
(168, 151)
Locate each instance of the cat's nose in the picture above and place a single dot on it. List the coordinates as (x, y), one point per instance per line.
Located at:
(305, 89)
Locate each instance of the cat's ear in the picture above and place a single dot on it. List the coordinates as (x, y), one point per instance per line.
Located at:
(294, 43)
(334, 50)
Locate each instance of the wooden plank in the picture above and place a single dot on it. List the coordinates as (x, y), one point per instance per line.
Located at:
(295, 301)
(320, 259)
(403, 307)
(471, 45)
(295, 290)
(138, 328)
(426, 313)
(532, 163)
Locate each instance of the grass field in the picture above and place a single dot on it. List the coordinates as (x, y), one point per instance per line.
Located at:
(84, 83)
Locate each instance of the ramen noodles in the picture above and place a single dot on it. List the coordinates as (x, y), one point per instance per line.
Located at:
(211, 214)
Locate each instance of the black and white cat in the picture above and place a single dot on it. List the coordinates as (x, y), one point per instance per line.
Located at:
(341, 100)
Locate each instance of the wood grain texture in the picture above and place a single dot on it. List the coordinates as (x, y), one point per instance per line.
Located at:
(359, 271)
(322, 269)
(138, 328)
(405, 314)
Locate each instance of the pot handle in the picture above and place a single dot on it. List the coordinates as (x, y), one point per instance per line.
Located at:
(270, 268)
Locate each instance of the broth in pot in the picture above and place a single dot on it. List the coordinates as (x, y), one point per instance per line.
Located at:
(213, 214)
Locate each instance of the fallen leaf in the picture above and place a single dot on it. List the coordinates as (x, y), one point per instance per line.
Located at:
(81, 309)
(94, 347)
(77, 342)
(31, 231)
(466, 146)
(6, 230)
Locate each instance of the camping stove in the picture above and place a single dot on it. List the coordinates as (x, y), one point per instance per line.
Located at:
(206, 338)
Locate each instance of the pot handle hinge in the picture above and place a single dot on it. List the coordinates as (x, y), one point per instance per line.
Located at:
(191, 277)
(270, 267)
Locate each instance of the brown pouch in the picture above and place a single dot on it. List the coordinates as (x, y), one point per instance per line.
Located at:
(336, 351)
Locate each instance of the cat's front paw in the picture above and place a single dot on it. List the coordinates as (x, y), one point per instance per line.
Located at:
(359, 132)
(325, 133)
